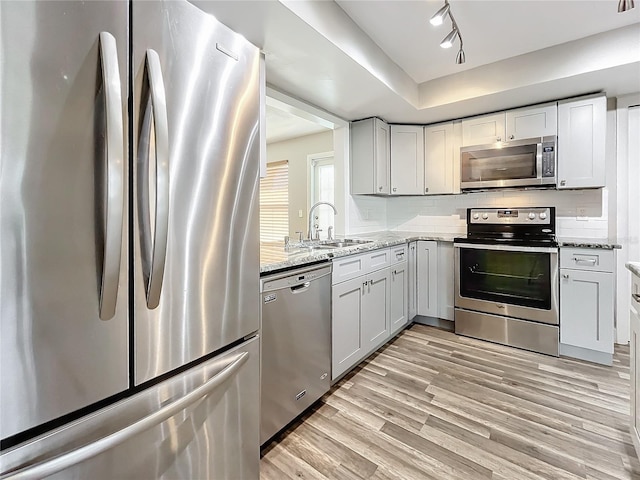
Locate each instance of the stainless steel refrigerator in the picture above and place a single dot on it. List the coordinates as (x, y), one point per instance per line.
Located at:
(128, 242)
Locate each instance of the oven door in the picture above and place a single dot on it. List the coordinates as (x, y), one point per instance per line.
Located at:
(511, 281)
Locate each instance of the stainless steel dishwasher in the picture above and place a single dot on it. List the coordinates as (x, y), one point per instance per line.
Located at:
(296, 344)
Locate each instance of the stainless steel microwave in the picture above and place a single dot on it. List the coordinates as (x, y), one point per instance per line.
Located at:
(521, 163)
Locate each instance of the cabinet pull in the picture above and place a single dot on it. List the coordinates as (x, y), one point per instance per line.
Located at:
(380, 188)
(636, 296)
(499, 139)
(563, 183)
(565, 275)
(591, 261)
(511, 137)
(394, 189)
(426, 190)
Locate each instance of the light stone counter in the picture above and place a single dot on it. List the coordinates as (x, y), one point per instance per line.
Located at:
(634, 267)
(603, 243)
(274, 258)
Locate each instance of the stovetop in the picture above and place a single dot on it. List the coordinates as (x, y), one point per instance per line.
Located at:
(526, 227)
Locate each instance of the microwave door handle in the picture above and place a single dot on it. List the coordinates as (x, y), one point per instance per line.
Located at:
(114, 184)
(539, 160)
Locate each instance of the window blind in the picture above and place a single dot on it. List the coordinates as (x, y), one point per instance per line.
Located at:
(274, 202)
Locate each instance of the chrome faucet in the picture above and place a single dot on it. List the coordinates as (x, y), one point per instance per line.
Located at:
(315, 205)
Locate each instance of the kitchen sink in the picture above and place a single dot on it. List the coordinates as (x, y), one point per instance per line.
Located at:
(347, 242)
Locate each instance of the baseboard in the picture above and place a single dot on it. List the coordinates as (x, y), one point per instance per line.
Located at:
(448, 325)
(586, 354)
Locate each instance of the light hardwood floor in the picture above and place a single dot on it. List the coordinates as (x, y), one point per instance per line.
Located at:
(432, 405)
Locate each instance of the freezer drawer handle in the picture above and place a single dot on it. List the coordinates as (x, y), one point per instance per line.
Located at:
(114, 185)
(154, 247)
(64, 461)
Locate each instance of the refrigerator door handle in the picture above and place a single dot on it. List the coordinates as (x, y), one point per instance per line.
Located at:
(114, 188)
(67, 460)
(154, 249)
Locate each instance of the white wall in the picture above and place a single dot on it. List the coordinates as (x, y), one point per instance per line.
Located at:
(296, 151)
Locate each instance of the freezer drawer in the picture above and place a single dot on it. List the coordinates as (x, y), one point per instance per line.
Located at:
(202, 424)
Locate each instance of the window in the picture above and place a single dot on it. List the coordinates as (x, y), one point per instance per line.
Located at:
(322, 188)
(274, 202)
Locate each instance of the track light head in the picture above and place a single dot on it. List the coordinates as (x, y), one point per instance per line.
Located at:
(438, 17)
(449, 39)
(460, 57)
(624, 5)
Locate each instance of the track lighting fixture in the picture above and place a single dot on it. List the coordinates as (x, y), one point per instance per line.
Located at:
(447, 42)
(438, 17)
(623, 6)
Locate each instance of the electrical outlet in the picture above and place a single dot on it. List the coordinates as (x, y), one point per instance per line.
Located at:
(581, 213)
(299, 213)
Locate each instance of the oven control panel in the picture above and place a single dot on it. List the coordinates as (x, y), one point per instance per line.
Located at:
(511, 216)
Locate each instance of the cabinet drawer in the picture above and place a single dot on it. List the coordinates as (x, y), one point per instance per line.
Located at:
(354, 266)
(587, 259)
(399, 254)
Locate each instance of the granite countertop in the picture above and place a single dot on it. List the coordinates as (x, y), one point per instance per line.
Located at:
(634, 267)
(274, 258)
(604, 243)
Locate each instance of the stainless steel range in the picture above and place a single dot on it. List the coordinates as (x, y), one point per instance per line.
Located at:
(506, 278)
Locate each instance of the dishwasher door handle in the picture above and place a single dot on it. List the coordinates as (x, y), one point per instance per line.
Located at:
(303, 287)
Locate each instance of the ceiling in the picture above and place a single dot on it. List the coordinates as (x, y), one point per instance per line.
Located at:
(492, 30)
(283, 125)
(361, 58)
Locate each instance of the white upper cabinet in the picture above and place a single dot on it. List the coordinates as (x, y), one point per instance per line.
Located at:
(407, 160)
(581, 142)
(483, 130)
(439, 170)
(370, 152)
(530, 122)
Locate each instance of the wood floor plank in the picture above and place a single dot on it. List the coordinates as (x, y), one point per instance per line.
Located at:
(434, 405)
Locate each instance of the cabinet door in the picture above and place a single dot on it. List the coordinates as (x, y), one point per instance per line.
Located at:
(412, 285)
(540, 121)
(427, 278)
(586, 309)
(635, 375)
(581, 142)
(346, 337)
(439, 159)
(382, 157)
(375, 310)
(369, 156)
(407, 160)
(445, 280)
(399, 296)
(483, 130)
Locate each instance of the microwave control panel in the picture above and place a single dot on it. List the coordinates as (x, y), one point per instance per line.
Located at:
(548, 160)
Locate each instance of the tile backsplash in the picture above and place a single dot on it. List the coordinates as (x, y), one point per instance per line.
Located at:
(579, 213)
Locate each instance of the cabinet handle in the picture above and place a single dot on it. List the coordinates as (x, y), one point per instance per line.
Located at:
(563, 183)
(565, 275)
(592, 261)
(364, 285)
(426, 190)
(499, 139)
(636, 297)
(394, 189)
(511, 137)
(380, 188)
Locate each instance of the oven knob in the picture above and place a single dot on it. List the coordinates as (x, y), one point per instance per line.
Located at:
(543, 215)
(485, 216)
(476, 216)
(532, 216)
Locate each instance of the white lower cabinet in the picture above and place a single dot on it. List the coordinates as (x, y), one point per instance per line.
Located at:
(587, 292)
(369, 309)
(346, 343)
(427, 278)
(635, 362)
(412, 286)
(399, 297)
(361, 309)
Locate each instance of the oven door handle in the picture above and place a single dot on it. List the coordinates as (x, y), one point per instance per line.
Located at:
(507, 248)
